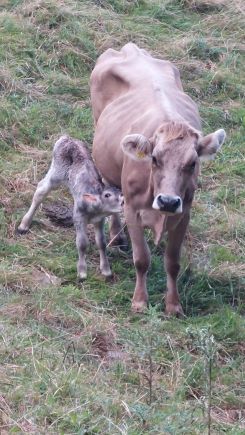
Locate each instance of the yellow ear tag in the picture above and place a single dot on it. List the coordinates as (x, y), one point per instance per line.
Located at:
(140, 154)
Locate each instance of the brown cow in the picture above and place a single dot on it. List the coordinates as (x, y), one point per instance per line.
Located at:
(148, 141)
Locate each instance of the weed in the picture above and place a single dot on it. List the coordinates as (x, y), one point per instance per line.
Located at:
(207, 346)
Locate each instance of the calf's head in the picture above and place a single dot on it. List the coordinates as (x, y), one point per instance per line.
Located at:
(174, 153)
(108, 201)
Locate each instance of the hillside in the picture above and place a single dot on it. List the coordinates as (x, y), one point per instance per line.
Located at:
(74, 359)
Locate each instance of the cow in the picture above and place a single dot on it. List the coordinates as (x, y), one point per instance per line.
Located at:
(148, 141)
(73, 167)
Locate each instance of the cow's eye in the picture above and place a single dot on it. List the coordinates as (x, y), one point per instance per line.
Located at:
(191, 166)
(107, 195)
(154, 160)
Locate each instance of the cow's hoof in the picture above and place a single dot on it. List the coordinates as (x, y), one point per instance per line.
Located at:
(20, 230)
(139, 307)
(120, 242)
(108, 277)
(106, 273)
(174, 310)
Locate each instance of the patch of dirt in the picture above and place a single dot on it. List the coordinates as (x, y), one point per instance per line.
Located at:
(43, 278)
(105, 346)
(239, 348)
(205, 6)
(14, 311)
(58, 320)
(59, 213)
(25, 279)
(229, 416)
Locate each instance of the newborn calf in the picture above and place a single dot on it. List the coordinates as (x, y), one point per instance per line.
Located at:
(72, 166)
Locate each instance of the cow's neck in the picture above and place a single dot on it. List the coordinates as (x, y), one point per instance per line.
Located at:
(151, 218)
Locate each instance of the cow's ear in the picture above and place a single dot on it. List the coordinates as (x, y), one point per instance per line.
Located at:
(137, 146)
(208, 146)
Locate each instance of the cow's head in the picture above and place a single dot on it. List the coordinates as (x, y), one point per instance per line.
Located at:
(174, 152)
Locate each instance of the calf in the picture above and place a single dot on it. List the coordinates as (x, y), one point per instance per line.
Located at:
(72, 166)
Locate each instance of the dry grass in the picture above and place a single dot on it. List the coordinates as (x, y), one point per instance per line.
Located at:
(74, 360)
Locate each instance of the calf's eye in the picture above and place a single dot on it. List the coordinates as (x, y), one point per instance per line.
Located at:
(107, 195)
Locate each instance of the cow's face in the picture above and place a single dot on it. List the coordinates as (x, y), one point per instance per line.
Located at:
(174, 153)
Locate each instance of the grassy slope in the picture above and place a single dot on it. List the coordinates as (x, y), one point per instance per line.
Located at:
(74, 360)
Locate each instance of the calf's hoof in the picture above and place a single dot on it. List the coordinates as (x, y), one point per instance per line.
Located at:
(174, 310)
(139, 307)
(22, 230)
(82, 276)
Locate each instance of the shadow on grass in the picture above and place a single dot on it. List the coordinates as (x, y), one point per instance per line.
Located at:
(201, 294)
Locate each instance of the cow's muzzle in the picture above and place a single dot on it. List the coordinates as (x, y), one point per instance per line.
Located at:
(167, 204)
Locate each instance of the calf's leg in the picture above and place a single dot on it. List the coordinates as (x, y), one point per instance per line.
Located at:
(101, 243)
(141, 257)
(49, 182)
(172, 266)
(81, 243)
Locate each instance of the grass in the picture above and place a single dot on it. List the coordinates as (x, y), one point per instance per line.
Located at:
(74, 360)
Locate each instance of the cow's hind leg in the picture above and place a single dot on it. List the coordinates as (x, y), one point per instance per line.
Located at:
(49, 182)
(141, 257)
(101, 243)
(117, 235)
(172, 266)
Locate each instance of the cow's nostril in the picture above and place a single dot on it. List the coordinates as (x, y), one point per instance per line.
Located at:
(161, 200)
(176, 202)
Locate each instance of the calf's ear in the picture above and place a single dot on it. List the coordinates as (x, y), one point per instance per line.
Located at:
(137, 146)
(88, 197)
(209, 145)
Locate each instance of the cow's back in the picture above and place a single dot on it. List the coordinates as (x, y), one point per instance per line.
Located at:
(132, 92)
(117, 73)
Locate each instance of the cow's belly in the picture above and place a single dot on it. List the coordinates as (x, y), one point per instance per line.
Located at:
(108, 159)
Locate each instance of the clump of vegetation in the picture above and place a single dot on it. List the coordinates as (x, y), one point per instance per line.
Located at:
(73, 357)
(201, 50)
(204, 6)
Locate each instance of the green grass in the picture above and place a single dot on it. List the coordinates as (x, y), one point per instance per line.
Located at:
(74, 359)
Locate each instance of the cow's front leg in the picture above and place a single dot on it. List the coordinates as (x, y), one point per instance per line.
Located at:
(141, 257)
(101, 243)
(172, 266)
(81, 243)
